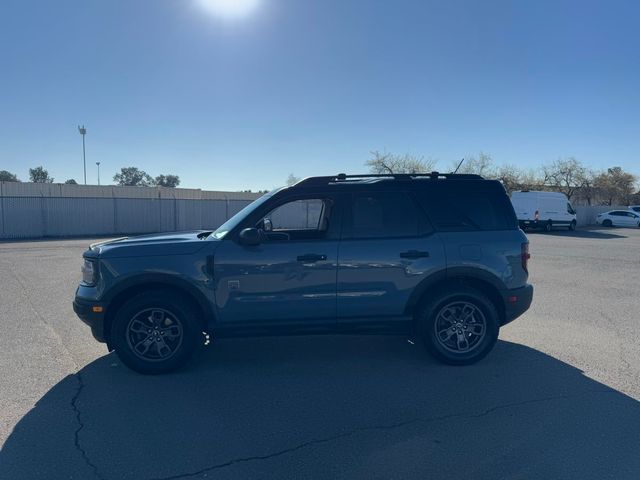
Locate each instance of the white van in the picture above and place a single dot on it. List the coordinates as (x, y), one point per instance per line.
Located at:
(544, 210)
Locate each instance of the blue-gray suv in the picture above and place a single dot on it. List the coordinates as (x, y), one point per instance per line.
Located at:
(434, 256)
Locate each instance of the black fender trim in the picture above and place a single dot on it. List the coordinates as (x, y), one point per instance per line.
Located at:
(160, 280)
(469, 275)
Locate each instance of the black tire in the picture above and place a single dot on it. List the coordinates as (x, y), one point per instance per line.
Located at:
(144, 320)
(548, 226)
(572, 226)
(431, 316)
(607, 223)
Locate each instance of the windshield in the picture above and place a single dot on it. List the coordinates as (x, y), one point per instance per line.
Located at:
(230, 224)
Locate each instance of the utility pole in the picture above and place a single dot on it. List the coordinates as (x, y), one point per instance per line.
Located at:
(98, 164)
(83, 132)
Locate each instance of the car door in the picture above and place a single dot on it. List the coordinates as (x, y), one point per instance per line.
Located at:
(290, 276)
(387, 249)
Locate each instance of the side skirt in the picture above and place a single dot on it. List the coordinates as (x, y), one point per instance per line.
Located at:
(388, 326)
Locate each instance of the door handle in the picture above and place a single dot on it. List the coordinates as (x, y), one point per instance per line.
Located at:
(414, 254)
(311, 257)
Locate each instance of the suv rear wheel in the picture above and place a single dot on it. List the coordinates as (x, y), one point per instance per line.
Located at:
(459, 327)
(155, 332)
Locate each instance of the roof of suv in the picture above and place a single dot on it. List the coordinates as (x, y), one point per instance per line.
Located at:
(408, 179)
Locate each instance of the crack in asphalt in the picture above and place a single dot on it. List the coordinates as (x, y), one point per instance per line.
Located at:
(76, 439)
(392, 426)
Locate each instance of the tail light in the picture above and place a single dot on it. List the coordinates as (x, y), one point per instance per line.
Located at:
(525, 256)
(537, 215)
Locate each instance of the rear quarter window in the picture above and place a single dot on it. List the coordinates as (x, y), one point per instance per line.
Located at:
(468, 208)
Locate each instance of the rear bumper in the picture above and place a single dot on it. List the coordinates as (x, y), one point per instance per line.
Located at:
(84, 310)
(516, 302)
(531, 224)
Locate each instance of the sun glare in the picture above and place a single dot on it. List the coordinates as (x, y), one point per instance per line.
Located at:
(229, 8)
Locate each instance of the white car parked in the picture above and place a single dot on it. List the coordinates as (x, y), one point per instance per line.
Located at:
(619, 218)
(635, 208)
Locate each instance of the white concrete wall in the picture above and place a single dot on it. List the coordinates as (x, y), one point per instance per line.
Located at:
(586, 215)
(32, 210)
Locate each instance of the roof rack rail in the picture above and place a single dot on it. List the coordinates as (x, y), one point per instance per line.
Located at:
(343, 177)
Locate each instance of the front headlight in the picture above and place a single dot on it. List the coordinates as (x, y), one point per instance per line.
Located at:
(89, 272)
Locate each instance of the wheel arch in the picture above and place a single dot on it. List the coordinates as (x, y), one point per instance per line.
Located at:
(127, 289)
(475, 278)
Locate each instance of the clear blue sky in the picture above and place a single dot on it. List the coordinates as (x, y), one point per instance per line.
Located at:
(312, 86)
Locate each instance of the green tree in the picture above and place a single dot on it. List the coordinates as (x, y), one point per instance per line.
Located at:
(39, 175)
(171, 181)
(8, 176)
(615, 186)
(133, 177)
(381, 163)
(71, 181)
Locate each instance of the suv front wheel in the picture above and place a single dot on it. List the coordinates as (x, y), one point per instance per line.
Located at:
(155, 332)
(459, 327)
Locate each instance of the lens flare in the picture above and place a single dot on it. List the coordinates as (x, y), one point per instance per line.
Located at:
(229, 8)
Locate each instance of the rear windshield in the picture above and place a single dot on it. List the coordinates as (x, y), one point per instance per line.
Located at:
(468, 207)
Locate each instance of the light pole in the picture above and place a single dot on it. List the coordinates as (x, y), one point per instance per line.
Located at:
(98, 164)
(83, 132)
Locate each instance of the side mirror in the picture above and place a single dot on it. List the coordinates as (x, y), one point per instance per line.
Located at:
(249, 236)
(267, 225)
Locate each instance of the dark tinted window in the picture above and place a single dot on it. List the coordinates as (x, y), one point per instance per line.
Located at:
(384, 215)
(456, 208)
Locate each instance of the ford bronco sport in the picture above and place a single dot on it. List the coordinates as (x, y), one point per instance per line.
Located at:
(436, 256)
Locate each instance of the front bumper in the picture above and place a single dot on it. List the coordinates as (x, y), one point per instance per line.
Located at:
(84, 310)
(516, 302)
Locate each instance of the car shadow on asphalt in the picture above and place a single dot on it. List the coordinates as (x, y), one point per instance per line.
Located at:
(583, 233)
(329, 407)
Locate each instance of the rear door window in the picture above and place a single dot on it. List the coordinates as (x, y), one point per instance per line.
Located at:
(384, 215)
(456, 208)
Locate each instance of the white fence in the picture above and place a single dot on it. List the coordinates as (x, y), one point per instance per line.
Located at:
(32, 210)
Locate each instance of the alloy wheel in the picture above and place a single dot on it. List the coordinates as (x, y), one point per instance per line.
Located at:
(154, 334)
(460, 327)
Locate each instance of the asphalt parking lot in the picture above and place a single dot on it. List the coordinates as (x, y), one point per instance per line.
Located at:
(557, 398)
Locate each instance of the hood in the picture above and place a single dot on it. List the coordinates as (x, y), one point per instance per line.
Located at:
(172, 243)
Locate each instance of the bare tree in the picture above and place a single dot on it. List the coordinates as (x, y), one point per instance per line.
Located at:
(292, 179)
(391, 163)
(480, 165)
(565, 175)
(587, 190)
(511, 177)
